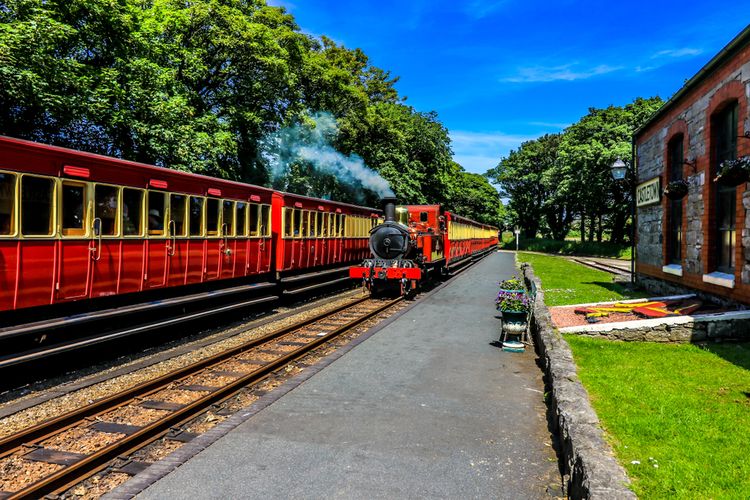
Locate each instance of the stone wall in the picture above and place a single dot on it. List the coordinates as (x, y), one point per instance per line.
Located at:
(590, 466)
(690, 116)
(682, 329)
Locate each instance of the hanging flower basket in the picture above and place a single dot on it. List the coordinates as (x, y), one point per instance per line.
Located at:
(734, 172)
(676, 190)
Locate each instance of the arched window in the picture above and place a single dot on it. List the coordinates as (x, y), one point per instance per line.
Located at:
(674, 217)
(724, 145)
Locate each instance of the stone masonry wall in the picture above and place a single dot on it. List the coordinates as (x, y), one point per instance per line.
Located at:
(691, 117)
(590, 466)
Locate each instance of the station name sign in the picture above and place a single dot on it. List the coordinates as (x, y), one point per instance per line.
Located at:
(648, 193)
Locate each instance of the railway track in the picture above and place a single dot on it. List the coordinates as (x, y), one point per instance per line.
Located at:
(55, 455)
(602, 266)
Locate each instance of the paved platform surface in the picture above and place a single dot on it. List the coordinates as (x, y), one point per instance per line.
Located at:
(424, 408)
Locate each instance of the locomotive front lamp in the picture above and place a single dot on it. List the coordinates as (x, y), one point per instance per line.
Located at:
(619, 169)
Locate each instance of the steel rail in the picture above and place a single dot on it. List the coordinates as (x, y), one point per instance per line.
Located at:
(37, 354)
(74, 473)
(10, 443)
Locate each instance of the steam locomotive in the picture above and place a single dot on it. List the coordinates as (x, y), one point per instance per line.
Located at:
(416, 241)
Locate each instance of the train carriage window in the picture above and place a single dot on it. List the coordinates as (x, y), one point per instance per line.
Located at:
(7, 204)
(106, 202)
(73, 208)
(212, 217)
(178, 214)
(319, 226)
(334, 225)
(155, 212)
(288, 222)
(132, 212)
(37, 198)
(241, 218)
(298, 216)
(255, 222)
(227, 218)
(422, 216)
(304, 226)
(196, 215)
(265, 220)
(340, 225)
(313, 225)
(331, 223)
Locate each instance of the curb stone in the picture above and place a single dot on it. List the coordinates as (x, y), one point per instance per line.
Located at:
(588, 460)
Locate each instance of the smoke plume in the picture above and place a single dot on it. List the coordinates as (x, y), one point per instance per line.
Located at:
(310, 143)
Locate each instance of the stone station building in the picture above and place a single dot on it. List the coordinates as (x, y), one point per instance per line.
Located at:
(701, 242)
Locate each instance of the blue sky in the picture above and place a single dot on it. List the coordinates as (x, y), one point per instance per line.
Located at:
(499, 72)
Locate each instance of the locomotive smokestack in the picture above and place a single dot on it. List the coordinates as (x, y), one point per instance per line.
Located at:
(389, 208)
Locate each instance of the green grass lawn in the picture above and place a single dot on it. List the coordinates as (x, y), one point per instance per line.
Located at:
(566, 282)
(569, 247)
(682, 411)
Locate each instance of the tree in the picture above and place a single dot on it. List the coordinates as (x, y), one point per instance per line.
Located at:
(529, 177)
(587, 150)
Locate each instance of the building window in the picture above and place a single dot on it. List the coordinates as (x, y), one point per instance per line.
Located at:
(725, 148)
(674, 222)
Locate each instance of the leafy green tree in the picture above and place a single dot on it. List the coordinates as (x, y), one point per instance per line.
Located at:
(472, 195)
(587, 151)
(528, 176)
(200, 85)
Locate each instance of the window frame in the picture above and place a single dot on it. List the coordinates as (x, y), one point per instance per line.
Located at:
(287, 230)
(232, 227)
(16, 214)
(265, 230)
(718, 120)
(142, 231)
(54, 234)
(166, 215)
(675, 158)
(88, 210)
(244, 234)
(186, 222)
(118, 231)
(202, 234)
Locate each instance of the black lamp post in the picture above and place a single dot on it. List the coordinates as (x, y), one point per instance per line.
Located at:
(619, 173)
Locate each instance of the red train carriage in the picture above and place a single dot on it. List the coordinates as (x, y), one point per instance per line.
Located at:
(78, 226)
(415, 240)
(315, 237)
(466, 238)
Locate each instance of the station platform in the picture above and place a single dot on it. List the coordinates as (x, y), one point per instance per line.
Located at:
(426, 407)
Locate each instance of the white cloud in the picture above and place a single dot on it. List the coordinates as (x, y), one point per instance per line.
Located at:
(478, 152)
(550, 125)
(565, 72)
(683, 52)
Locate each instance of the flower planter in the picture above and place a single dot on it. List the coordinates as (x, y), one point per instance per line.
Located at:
(676, 190)
(514, 316)
(732, 177)
(734, 172)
